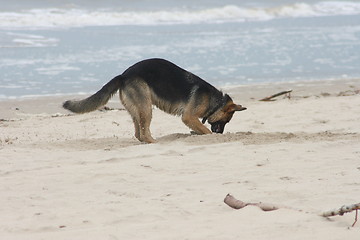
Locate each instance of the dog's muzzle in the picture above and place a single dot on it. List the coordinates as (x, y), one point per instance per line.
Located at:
(218, 127)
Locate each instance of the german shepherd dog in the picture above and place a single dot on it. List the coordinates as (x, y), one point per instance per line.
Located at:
(172, 89)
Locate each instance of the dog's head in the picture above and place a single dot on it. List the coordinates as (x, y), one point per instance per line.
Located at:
(222, 116)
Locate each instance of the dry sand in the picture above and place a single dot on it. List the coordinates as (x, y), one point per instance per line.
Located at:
(66, 176)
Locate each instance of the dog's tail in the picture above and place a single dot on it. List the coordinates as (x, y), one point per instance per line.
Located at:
(94, 101)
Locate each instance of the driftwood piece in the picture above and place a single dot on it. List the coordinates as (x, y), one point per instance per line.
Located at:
(342, 210)
(233, 202)
(237, 204)
(270, 98)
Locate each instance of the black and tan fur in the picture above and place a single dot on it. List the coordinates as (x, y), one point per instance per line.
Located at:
(172, 89)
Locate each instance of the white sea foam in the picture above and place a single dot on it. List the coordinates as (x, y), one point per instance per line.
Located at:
(55, 70)
(75, 17)
(11, 39)
(11, 86)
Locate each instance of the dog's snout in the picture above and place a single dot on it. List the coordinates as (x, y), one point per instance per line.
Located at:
(218, 127)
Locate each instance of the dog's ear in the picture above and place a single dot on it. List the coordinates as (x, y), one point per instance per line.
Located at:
(234, 107)
(239, 108)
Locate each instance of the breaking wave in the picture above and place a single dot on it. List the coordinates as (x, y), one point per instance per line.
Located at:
(75, 17)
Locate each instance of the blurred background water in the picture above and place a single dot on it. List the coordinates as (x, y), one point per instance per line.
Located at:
(75, 46)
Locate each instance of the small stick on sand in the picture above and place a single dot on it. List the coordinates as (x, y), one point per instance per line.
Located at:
(270, 98)
(355, 218)
(344, 209)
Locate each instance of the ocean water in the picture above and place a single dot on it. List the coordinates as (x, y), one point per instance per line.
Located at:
(76, 46)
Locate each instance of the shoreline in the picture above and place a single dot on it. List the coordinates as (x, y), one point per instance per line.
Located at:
(226, 86)
(18, 108)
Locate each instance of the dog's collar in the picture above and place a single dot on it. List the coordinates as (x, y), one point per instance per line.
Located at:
(204, 120)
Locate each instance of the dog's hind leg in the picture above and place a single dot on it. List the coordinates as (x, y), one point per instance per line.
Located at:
(145, 115)
(136, 99)
(131, 108)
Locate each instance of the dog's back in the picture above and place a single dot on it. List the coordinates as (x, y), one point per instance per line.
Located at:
(168, 81)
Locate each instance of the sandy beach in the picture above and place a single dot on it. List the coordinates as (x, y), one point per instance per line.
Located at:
(67, 176)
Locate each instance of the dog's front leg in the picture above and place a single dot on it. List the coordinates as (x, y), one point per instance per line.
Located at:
(195, 124)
